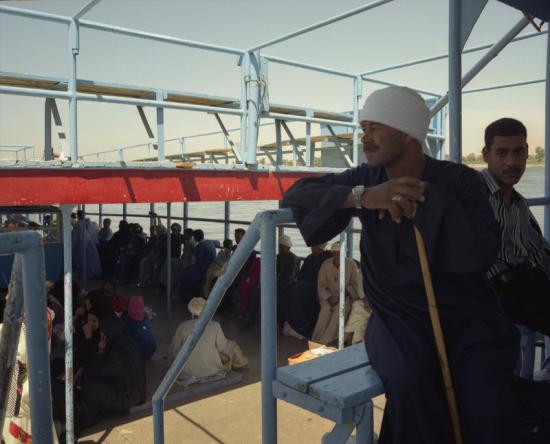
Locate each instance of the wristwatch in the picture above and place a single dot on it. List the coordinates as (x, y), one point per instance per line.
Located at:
(357, 193)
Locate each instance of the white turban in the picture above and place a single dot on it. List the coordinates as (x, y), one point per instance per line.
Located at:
(398, 107)
(196, 305)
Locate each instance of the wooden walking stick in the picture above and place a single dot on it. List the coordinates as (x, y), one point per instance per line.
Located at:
(438, 333)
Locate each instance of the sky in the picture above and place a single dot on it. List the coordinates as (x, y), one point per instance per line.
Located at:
(396, 32)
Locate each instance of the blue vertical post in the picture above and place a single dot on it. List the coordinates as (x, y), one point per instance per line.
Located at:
(11, 331)
(455, 81)
(73, 53)
(357, 94)
(268, 328)
(226, 219)
(48, 149)
(349, 238)
(546, 362)
(547, 143)
(68, 316)
(278, 143)
(160, 127)
(342, 290)
(34, 278)
(152, 220)
(309, 152)
(243, 143)
(253, 101)
(185, 215)
(169, 262)
(124, 211)
(100, 211)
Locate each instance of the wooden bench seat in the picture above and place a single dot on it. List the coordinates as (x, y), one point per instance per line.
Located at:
(339, 386)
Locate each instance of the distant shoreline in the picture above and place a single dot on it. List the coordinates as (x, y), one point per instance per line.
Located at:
(484, 165)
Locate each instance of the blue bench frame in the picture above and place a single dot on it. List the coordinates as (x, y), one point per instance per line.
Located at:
(339, 386)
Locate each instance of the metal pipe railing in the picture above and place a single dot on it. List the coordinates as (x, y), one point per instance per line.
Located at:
(487, 57)
(11, 329)
(320, 24)
(159, 37)
(68, 320)
(21, 12)
(28, 250)
(237, 261)
(444, 56)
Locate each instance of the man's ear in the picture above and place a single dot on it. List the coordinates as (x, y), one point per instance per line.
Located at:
(485, 152)
(407, 138)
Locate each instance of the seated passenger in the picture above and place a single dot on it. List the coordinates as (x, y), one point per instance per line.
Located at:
(139, 326)
(328, 290)
(213, 356)
(105, 234)
(217, 268)
(114, 379)
(84, 248)
(298, 303)
(153, 259)
(176, 263)
(193, 277)
(520, 273)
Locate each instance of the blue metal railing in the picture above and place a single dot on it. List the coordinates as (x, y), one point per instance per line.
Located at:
(27, 287)
(262, 227)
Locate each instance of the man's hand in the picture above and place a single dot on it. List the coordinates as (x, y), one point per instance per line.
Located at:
(397, 196)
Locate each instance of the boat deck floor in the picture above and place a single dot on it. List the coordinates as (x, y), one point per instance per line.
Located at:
(216, 413)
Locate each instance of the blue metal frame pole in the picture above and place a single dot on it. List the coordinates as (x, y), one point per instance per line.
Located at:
(226, 219)
(547, 143)
(321, 24)
(342, 289)
(253, 107)
(74, 49)
(483, 61)
(309, 151)
(27, 246)
(68, 316)
(237, 261)
(160, 96)
(34, 290)
(455, 78)
(169, 262)
(185, 215)
(268, 327)
(100, 211)
(48, 149)
(124, 211)
(357, 94)
(11, 329)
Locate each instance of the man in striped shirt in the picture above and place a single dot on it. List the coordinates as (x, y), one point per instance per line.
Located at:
(520, 273)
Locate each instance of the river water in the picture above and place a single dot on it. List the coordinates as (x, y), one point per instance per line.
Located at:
(531, 185)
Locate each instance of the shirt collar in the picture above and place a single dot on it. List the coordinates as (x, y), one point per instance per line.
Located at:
(490, 181)
(494, 187)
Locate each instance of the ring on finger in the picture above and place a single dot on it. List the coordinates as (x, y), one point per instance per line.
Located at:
(397, 198)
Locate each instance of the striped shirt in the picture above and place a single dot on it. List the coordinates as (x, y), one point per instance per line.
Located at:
(521, 237)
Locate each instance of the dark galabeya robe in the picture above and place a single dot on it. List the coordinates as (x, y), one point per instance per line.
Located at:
(462, 241)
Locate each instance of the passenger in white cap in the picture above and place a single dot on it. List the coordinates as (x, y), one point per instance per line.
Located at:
(213, 356)
(448, 204)
(328, 290)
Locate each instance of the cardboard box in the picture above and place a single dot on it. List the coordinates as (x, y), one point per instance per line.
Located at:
(315, 350)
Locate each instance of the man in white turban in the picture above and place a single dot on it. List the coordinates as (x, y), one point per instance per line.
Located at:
(397, 189)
